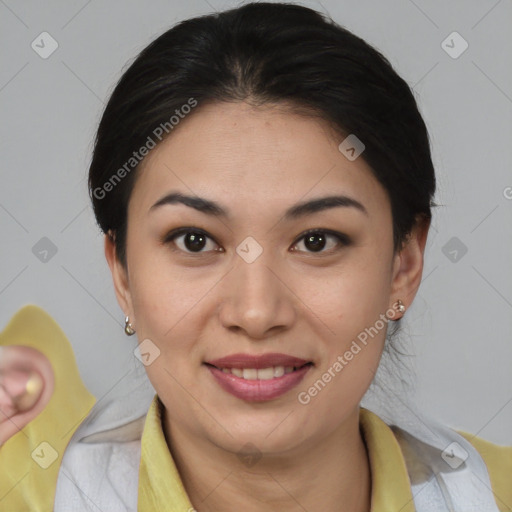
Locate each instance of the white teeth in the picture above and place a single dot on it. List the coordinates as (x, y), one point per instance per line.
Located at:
(266, 373)
(250, 373)
(278, 371)
(271, 372)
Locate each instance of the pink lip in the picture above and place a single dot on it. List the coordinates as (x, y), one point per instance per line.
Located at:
(257, 361)
(258, 390)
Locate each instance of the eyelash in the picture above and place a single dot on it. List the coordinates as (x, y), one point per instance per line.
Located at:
(343, 240)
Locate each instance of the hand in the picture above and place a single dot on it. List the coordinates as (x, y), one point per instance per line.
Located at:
(26, 386)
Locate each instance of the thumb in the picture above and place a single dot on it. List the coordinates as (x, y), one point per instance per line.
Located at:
(26, 386)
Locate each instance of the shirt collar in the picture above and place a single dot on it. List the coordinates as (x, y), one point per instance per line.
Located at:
(391, 487)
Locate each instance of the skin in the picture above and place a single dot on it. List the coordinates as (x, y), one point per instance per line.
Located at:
(19, 405)
(257, 162)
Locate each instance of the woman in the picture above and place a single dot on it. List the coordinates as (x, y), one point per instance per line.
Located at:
(264, 182)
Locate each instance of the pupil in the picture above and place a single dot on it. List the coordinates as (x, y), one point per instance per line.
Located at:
(194, 241)
(315, 246)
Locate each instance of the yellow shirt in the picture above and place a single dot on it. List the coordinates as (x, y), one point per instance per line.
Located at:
(26, 485)
(160, 483)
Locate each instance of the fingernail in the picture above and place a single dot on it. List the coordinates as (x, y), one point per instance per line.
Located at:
(31, 393)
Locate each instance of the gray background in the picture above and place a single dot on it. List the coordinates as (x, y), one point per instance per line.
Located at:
(460, 325)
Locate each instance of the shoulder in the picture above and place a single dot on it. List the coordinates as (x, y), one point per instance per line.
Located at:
(498, 460)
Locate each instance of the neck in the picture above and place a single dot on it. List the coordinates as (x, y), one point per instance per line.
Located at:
(331, 474)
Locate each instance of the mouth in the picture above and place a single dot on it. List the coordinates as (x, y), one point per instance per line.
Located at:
(271, 372)
(266, 382)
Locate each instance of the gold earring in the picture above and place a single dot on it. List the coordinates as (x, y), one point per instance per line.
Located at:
(399, 306)
(128, 329)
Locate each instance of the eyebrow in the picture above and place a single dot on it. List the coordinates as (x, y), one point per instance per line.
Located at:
(212, 208)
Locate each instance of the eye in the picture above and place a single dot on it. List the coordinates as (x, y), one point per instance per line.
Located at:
(191, 240)
(195, 241)
(316, 240)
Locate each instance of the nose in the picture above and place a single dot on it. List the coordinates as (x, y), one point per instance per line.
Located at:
(256, 300)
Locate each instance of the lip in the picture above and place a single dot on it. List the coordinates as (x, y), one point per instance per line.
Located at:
(257, 361)
(258, 390)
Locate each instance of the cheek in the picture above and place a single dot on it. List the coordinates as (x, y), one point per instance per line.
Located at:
(352, 304)
(351, 297)
(171, 306)
(164, 294)
(166, 306)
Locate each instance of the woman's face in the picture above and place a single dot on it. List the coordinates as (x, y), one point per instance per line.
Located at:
(254, 284)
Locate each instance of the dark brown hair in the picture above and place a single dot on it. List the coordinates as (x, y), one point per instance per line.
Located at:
(265, 53)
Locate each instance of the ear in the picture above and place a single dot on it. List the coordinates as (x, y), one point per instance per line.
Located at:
(408, 264)
(26, 386)
(119, 277)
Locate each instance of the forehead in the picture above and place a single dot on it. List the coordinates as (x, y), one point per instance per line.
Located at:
(253, 158)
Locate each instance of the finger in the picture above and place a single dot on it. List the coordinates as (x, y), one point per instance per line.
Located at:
(19, 391)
